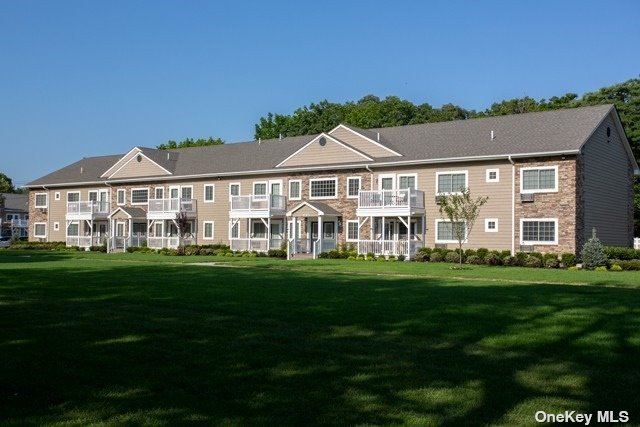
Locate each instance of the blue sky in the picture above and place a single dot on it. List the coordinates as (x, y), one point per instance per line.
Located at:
(87, 78)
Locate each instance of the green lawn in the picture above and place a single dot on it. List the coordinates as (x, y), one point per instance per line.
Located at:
(147, 339)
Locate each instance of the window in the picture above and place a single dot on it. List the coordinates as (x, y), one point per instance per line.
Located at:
(208, 230)
(493, 175)
(323, 188)
(260, 188)
(209, 193)
(491, 225)
(40, 229)
(406, 181)
(73, 229)
(121, 197)
(352, 231)
(158, 229)
(234, 233)
(57, 195)
(41, 201)
(259, 230)
(93, 196)
(234, 189)
(56, 226)
(159, 193)
(294, 190)
(73, 196)
(451, 182)
(186, 192)
(353, 186)
(446, 231)
(539, 231)
(535, 180)
(139, 196)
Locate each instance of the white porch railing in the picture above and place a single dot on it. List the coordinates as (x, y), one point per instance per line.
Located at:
(391, 199)
(163, 242)
(168, 208)
(266, 205)
(390, 247)
(20, 223)
(254, 244)
(85, 241)
(636, 243)
(93, 208)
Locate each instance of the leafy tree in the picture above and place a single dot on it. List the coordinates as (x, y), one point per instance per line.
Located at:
(190, 142)
(462, 211)
(592, 253)
(6, 184)
(182, 223)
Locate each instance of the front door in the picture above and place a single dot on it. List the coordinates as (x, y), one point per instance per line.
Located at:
(277, 238)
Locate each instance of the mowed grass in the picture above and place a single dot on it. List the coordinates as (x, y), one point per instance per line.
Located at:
(145, 339)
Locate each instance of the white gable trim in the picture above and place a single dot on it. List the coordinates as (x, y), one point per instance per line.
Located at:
(115, 165)
(366, 138)
(337, 141)
(140, 153)
(303, 204)
(116, 211)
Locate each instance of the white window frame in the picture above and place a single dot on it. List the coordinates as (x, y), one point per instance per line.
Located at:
(401, 175)
(56, 195)
(312, 180)
(73, 192)
(486, 225)
(94, 192)
(213, 193)
(182, 187)
(139, 189)
(56, 226)
(231, 184)
(349, 178)
(532, 242)
(545, 190)
(357, 223)
(488, 173)
(385, 176)
(46, 200)
(299, 196)
(204, 230)
(69, 224)
(231, 226)
(35, 227)
(466, 181)
(266, 188)
(155, 193)
(124, 197)
(439, 220)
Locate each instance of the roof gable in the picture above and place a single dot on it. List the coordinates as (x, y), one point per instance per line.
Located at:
(365, 141)
(324, 149)
(136, 163)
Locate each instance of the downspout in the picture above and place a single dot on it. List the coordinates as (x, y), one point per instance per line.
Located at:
(513, 206)
(110, 231)
(370, 175)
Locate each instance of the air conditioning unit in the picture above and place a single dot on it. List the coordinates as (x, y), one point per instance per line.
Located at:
(527, 248)
(441, 246)
(440, 199)
(527, 197)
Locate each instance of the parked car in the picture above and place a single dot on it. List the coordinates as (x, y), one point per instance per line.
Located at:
(5, 242)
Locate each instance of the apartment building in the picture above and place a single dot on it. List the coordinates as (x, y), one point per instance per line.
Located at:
(14, 215)
(550, 177)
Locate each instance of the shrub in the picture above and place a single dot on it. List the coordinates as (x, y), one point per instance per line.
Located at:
(420, 257)
(482, 253)
(616, 252)
(392, 258)
(452, 257)
(533, 261)
(474, 259)
(573, 268)
(492, 259)
(435, 257)
(504, 253)
(510, 261)
(191, 250)
(568, 259)
(425, 251)
(615, 267)
(629, 265)
(229, 254)
(101, 248)
(521, 258)
(551, 263)
(401, 257)
(592, 253)
(469, 252)
(277, 253)
(370, 255)
(601, 268)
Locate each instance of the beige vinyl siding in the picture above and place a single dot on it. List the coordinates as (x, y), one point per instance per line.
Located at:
(331, 153)
(144, 167)
(606, 187)
(360, 143)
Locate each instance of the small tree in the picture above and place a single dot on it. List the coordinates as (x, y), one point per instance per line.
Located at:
(592, 253)
(462, 211)
(182, 222)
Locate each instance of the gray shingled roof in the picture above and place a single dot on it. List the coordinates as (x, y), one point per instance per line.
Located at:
(549, 131)
(16, 202)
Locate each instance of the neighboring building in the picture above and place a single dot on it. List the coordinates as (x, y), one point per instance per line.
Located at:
(14, 215)
(550, 176)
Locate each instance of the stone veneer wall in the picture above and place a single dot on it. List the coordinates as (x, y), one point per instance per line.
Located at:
(561, 205)
(37, 215)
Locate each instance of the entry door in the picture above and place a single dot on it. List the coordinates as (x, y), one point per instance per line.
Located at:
(275, 187)
(174, 192)
(314, 230)
(389, 230)
(120, 229)
(276, 235)
(294, 229)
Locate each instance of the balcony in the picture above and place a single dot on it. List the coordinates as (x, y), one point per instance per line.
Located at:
(87, 210)
(407, 248)
(168, 242)
(19, 223)
(258, 206)
(169, 208)
(390, 202)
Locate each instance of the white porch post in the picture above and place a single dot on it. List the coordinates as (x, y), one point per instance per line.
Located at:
(269, 231)
(319, 248)
(383, 234)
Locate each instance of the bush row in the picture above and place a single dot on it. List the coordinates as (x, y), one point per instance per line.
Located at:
(485, 256)
(620, 253)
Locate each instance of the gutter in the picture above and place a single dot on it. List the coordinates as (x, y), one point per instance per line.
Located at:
(513, 206)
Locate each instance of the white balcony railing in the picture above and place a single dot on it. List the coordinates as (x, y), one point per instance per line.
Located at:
(407, 248)
(90, 208)
(20, 223)
(263, 205)
(391, 199)
(253, 244)
(85, 241)
(168, 208)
